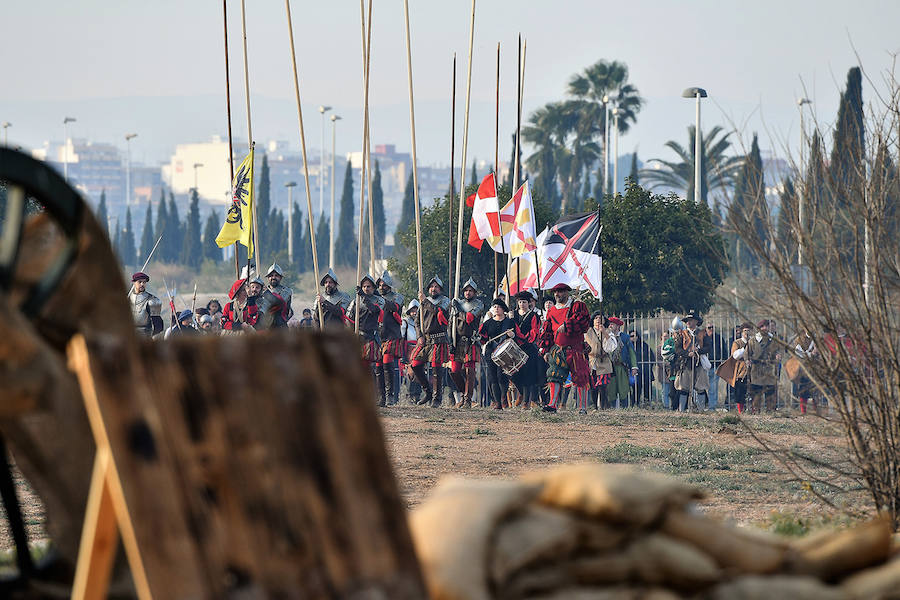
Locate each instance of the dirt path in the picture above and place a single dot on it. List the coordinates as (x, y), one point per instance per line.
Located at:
(745, 483)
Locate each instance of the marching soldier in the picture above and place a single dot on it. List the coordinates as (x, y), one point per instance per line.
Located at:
(241, 313)
(562, 343)
(145, 307)
(433, 344)
(371, 314)
(465, 319)
(333, 301)
(275, 275)
(393, 346)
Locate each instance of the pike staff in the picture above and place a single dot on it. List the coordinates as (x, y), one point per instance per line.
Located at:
(452, 167)
(365, 157)
(462, 178)
(412, 126)
(152, 250)
(366, 62)
(497, 184)
(312, 228)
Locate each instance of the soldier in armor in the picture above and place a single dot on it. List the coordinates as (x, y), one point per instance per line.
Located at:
(275, 275)
(393, 345)
(255, 288)
(465, 318)
(145, 307)
(433, 344)
(334, 302)
(371, 314)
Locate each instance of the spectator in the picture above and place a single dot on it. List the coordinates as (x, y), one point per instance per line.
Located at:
(667, 372)
(762, 352)
(805, 349)
(645, 360)
(307, 321)
(602, 345)
(215, 311)
(719, 353)
(183, 326)
(624, 362)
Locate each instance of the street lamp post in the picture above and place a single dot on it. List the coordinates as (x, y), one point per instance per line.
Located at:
(66, 122)
(322, 111)
(605, 147)
(334, 120)
(696, 92)
(6, 125)
(290, 185)
(615, 112)
(196, 166)
(128, 138)
(801, 183)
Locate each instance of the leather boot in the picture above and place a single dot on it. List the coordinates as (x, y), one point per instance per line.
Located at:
(437, 385)
(379, 383)
(470, 387)
(389, 383)
(496, 393)
(418, 372)
(460, 382)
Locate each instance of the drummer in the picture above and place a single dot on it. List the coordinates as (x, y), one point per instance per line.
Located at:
(527, 379)
(493, 333)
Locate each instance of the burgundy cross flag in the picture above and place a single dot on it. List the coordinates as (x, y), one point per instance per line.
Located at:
(570, 253)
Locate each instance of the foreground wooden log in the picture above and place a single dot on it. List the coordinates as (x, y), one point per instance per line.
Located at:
(253, 466)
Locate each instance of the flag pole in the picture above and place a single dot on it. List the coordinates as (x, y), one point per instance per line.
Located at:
(497, 183)
(537, 263)
(452, 167)
(237, 266)
(363, 165)
(412, 127)
(255, 232)
(309, 210)
(462, 177)
(515, 181)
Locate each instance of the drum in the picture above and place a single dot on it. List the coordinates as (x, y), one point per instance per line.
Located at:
(509, 357)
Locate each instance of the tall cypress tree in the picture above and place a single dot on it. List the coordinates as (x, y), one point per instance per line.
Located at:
(162, 227)
(408, 208)
(301, 250)
(211, 251)
(102, 214)
(128, 252)
(175, 230)
(117, 242)
(345, 245)
(474, 175)
(848, 152)
(378, 211)
(634, 168)
(263, 204)
(191, 247)
(787, 215)
(750, 196)
(322, 243)
(147, 239)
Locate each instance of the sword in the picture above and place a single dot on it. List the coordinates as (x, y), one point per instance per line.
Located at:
(149, 256)
(193, 305)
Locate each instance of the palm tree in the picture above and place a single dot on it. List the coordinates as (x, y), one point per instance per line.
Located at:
(604, 79)
(717, 171)
(544, 132)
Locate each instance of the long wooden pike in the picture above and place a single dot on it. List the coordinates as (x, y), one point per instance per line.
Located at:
(462, 177)
(255, 229)
(452, 167)
(497, 183)
(365, 157)
(368, 61)
(412, 126)
(309, 210)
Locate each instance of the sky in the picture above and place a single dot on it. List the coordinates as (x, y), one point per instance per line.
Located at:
(157, 68)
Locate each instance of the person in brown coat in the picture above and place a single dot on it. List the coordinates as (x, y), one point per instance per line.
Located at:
(741, 366)
(762, 352)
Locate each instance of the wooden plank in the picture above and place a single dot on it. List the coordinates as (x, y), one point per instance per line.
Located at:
(99, 538)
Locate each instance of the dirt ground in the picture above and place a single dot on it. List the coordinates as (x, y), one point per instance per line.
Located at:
(713, 450)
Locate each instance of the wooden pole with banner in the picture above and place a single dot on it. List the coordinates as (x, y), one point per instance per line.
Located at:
(237, 266)
(462, 177)
(309, 210)
(255, 231)
(412, 127)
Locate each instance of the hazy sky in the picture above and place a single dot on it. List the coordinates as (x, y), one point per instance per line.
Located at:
(157, 68)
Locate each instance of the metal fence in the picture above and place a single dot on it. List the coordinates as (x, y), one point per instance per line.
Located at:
(650, 331)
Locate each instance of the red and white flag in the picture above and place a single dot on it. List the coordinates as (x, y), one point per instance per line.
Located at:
(485, 212)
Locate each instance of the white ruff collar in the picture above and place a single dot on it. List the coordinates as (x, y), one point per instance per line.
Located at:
(566, 305)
